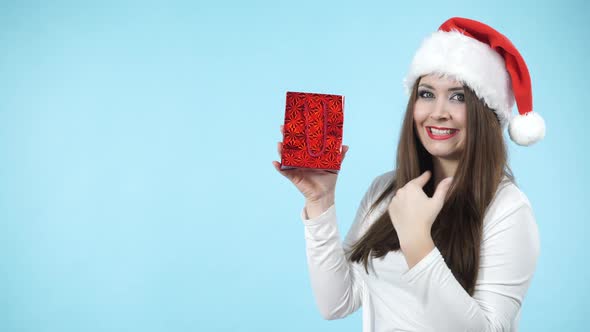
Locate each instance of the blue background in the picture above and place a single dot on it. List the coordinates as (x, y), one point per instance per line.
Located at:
(136, 139)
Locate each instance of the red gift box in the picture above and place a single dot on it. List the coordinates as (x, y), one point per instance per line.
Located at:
(312, 133)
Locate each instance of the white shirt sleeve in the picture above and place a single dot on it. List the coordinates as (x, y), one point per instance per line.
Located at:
(336, 286)
(510, 249)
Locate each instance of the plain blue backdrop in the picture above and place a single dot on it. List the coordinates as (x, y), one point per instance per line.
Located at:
(137, 191)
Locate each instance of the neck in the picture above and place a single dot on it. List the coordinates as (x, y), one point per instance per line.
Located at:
(443, 168)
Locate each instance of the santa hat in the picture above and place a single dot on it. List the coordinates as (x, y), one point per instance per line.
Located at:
(487, 62)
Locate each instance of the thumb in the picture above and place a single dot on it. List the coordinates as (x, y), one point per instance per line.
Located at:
(442, 189)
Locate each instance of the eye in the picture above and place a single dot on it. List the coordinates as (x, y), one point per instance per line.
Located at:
(461, 97)
(425, 94)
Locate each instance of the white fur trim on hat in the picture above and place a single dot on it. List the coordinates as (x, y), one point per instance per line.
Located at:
(469, 61)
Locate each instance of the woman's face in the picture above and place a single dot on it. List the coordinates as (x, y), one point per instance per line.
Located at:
(441, 104)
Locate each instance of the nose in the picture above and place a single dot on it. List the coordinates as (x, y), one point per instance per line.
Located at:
(439, 111)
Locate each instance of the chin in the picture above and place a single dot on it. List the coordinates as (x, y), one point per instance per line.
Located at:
(444, 153)
(442, 149)
(446, 156)
(450, 155)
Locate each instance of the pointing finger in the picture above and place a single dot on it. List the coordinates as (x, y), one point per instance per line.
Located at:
(441, 190)
(422, 179)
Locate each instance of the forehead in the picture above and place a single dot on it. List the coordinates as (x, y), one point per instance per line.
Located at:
(440, 80)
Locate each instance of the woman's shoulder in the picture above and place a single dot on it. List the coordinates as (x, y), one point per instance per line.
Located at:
(509, 192)
(508, 199)
(378, 185)
(510, 229)
(383, 180)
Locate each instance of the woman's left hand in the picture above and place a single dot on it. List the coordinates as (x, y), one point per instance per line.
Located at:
(412, 212)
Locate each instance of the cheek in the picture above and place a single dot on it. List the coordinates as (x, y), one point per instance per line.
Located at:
(460, 116)
(463, 121)
(420, 114)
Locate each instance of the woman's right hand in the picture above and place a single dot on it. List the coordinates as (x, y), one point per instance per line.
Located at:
(314, 184)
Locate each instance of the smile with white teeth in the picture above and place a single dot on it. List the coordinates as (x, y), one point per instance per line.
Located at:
(441, 132)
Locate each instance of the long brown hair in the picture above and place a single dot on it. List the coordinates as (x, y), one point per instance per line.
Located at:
(457, 230)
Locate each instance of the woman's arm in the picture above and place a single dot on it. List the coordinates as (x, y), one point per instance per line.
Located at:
(510, 249)
(336, 286)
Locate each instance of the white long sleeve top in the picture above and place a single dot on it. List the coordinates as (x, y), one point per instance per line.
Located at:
(426, 297)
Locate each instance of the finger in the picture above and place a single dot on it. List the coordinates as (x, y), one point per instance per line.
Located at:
(279, 148)
(422, 179)
(344, 150)
(277, 166)
(441, 190)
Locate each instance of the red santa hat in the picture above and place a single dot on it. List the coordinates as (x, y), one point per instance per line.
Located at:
(486, 61)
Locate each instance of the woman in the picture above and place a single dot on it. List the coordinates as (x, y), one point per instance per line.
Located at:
(446, 241)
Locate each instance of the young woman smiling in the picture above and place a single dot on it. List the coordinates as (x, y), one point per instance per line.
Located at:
(451, 241)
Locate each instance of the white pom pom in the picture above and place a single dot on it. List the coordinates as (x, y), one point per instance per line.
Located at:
(526, 129)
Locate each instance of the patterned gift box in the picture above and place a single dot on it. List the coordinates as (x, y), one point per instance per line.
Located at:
(312, 132)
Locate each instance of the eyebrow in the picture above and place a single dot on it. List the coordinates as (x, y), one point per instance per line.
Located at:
(451, 89)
